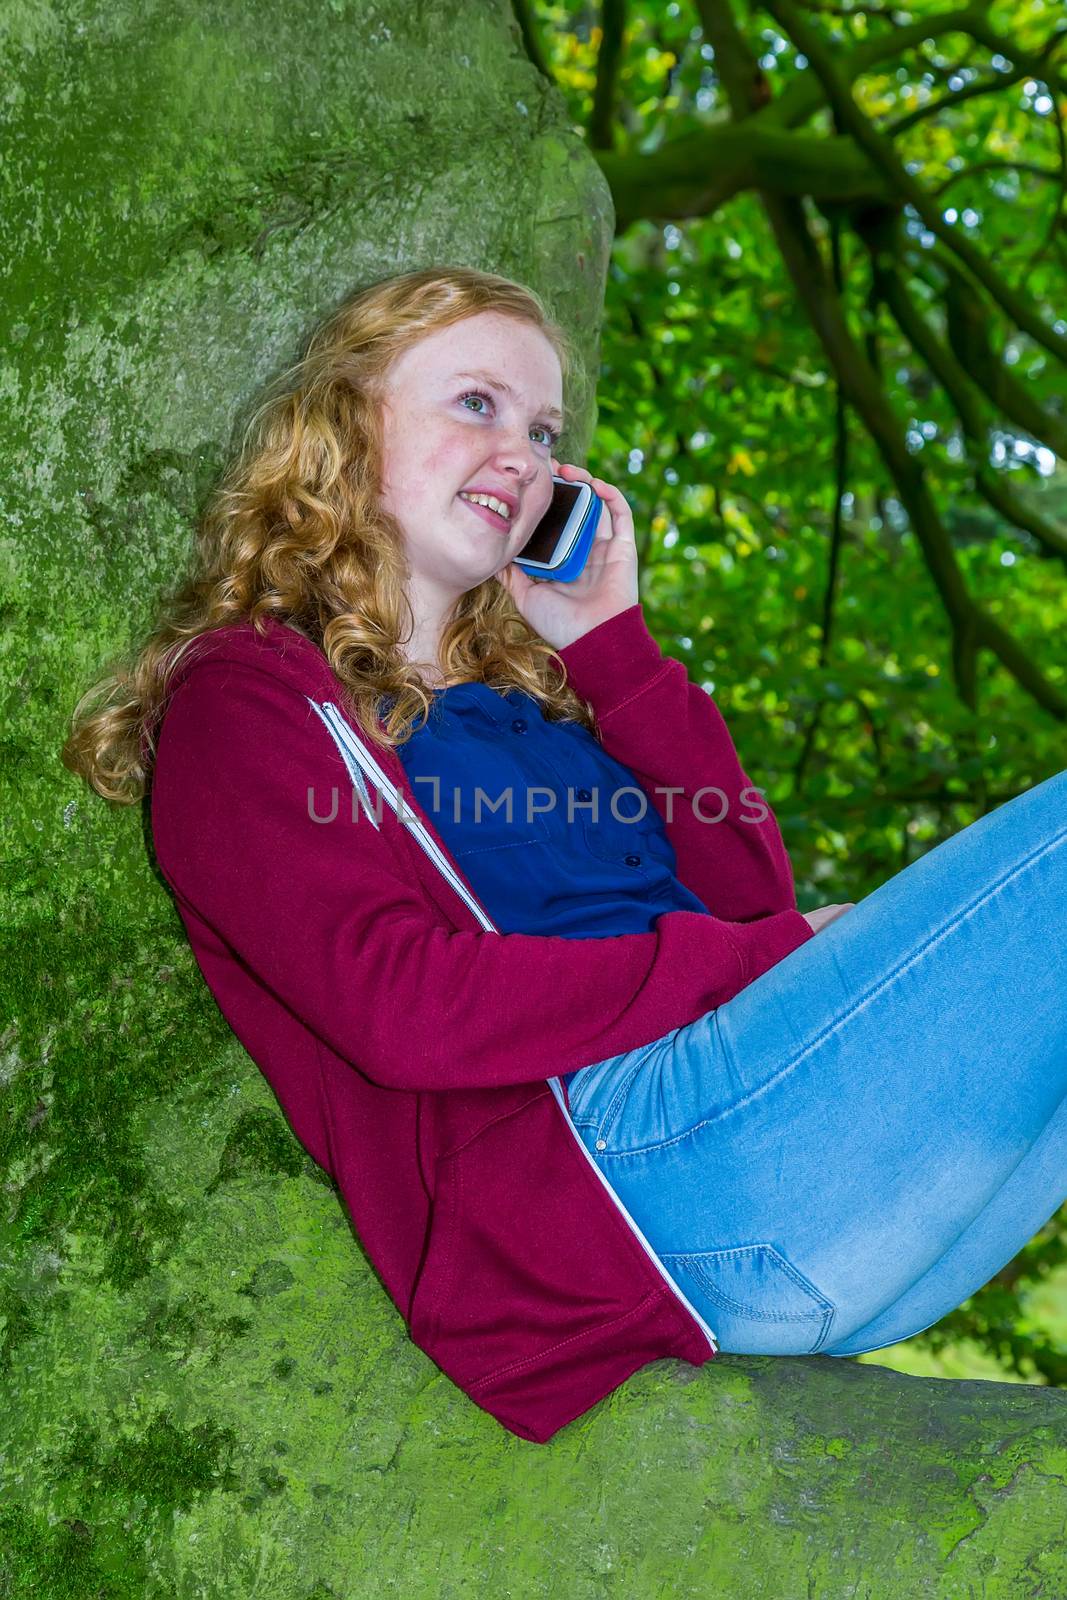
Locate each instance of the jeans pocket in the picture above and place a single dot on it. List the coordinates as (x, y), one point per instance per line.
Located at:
(598, 1093)
(756, 1300)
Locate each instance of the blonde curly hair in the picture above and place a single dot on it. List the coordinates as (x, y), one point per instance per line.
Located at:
(295, 531)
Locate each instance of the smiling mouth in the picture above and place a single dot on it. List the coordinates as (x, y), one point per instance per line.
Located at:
(492, 517)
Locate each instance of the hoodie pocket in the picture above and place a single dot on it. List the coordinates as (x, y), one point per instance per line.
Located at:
(435, 1274)
(510, 1275)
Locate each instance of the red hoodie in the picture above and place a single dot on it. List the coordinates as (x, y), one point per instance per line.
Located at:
(415, 1051)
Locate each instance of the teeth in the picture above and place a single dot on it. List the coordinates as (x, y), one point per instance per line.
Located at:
(488, 500)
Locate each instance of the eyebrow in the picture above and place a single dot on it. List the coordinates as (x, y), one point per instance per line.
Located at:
(496, 383)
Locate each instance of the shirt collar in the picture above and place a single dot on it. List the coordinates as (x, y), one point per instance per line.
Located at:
(499, 706)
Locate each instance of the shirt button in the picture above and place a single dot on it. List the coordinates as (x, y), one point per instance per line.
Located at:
(585, 794)
(602, 1144)
(519, 725)
(633, 861)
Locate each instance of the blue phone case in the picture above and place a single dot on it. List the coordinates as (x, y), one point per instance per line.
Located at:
(573, 566)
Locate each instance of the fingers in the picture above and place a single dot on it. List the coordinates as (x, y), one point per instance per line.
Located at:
(616, 502)
(605, 490)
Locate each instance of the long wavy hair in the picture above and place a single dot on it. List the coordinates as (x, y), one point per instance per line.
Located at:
(295, 531)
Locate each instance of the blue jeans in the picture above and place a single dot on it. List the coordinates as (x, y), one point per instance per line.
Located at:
(854, 1144)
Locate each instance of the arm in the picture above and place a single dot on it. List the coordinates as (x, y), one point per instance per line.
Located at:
(669, 732)
(327, 917)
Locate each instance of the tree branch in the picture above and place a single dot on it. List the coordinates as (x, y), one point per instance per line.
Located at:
(951, 101)
(801, 98)
(837, 524)
(967, 326)
(1034, 65)
(693, 175)
(971, 625)
(1057, 211)
(888, 14)
(964, 396)
(881, 154)
(531, 38)
(994, 164)
(608, 61)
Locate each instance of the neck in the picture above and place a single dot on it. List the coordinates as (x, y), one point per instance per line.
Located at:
(432, 607)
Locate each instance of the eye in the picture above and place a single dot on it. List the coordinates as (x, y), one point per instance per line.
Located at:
(552, 435)
(475, 394)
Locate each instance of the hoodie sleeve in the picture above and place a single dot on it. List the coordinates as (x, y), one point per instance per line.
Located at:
(328, 917)
(672, 736)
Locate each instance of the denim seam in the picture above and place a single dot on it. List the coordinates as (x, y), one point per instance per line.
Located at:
(615, 1104)
(764, 1088)
(820, 1305)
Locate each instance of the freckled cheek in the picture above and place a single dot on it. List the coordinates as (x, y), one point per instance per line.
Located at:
(539, 506)
(447, 465)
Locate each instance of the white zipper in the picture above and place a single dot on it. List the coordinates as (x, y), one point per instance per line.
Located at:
(360, 764)
(355, 771)
(557, 1089)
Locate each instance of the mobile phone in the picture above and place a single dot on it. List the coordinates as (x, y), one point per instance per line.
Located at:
(559, 546)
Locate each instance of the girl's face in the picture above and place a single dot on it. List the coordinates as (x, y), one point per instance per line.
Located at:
(441, 437)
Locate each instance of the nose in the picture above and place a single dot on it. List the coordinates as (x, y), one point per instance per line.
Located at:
(520, 458)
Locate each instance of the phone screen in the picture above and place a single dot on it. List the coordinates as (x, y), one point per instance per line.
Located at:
(541, 544)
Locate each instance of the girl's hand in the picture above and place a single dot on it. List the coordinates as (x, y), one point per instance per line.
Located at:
(607, 584)
(823, 914)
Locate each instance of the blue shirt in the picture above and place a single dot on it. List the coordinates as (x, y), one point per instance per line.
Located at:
(585, 853)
